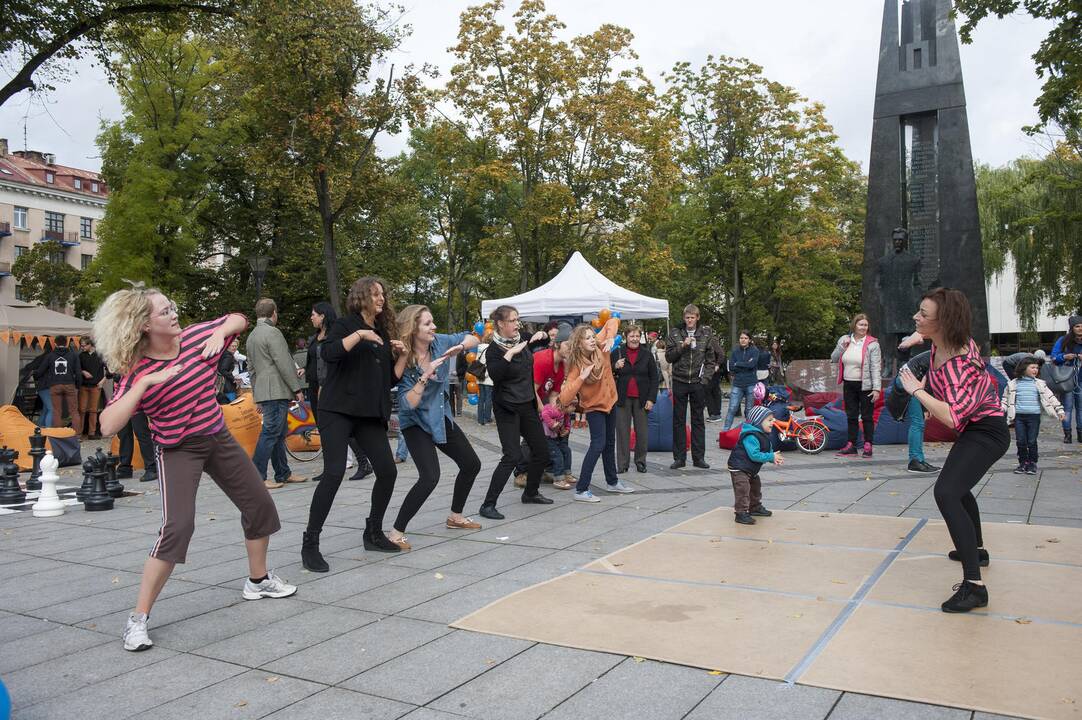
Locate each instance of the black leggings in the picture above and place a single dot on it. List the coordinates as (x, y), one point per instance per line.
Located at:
(313, 400)
(335, 431)
(980, 445)
(423, 451)
(858, 404)
(512, 422)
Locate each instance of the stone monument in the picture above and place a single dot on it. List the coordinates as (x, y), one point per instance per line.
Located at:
(920, 176)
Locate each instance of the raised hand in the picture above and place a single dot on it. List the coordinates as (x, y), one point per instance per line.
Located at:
(370, 336)
(432, 368)
(586, 370)
(398, 346)
(453, 350)
(539, 335)
(213, 345)
(620, 364)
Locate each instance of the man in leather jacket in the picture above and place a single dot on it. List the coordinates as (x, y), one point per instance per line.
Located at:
(690, 349)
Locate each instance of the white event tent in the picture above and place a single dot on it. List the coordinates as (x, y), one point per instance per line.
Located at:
(577, 290)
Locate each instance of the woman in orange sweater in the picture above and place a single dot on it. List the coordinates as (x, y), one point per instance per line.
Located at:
(589, 376)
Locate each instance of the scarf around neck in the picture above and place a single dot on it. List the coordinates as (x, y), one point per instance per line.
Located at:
(507, 343)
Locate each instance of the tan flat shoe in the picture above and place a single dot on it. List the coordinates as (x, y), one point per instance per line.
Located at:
(464, 524)
(273, 484)
(402, 542)
(563, 484)
(296, 479)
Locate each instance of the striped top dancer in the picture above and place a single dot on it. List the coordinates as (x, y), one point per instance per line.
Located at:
(965, 385)
(168, 374)
(957, 391)
(186, 406)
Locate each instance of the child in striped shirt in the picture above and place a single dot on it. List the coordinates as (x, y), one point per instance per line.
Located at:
(1022, 401)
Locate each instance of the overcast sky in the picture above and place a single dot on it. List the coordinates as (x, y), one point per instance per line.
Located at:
(826, 49)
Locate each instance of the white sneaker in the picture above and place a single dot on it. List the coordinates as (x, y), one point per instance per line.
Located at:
(135, 634)
(619, 487)
(586, 496)
(272, 587)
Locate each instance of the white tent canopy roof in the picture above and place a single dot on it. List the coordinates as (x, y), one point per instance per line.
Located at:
(579, 289)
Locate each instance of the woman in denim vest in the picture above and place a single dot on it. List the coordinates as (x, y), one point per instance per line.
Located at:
(426, 420)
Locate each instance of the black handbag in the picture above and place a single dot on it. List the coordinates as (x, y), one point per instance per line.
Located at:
(1063, 378)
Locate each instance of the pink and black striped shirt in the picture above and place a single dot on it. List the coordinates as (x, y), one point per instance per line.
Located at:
(965, 385)
(186, 405)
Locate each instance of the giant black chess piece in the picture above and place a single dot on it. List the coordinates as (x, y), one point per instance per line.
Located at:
(88, 480)
(37, 452)
(98, 498)
(116, 489)
(10, 491)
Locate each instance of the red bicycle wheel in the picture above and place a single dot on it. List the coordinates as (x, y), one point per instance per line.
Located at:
(812, 437)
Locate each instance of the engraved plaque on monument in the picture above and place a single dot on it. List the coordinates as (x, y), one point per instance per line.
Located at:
(920, 176)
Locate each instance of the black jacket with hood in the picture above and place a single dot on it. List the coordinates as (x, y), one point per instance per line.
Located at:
(692, 365)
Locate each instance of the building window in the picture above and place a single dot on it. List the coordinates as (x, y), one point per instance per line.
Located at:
(85, 226)
(57, 257)
(21, 221)
(49, 177)
(78, 183)
(86, 260)
(21, 250)
(19, 293)
(93, 187)
(54, 221)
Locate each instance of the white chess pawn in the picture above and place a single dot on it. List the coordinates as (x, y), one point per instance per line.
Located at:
(49, 503)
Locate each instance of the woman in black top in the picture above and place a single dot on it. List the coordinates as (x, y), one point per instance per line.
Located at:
(355, 403)
(516, 407)
(323, 316)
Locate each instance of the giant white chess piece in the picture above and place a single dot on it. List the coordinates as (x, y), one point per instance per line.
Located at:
(49, 503)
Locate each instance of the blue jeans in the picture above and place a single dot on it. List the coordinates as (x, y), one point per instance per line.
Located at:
(402, 452)
(272, 440)
(1073, 401)
(560, 455)
(915, 413)
(603, 445)
(484, 404)
(734, 400)
(1026, 428)
(46, 419)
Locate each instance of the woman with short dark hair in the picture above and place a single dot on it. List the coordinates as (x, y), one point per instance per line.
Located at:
(959, 392)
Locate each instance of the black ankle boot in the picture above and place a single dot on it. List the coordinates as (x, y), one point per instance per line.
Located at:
(310, 555)
(982, 556)
(1067, 436)
(1079, 431)
(374, 539)
(745, 518)
(967, 596)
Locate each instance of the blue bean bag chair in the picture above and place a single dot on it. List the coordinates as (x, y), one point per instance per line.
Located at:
(836, 422)
(889, 431)
(659, 420)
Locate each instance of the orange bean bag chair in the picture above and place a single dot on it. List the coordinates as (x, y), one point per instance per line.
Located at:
(15, 432)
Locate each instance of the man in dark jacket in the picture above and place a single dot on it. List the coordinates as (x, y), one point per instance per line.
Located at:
(61, 372)
(637, 377)
(690, 351)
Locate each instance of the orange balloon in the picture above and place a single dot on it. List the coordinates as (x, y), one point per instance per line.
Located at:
(470, 377)
(488, 327)
(596, 322)
(604, 315)
(470, 357)
(471, 387)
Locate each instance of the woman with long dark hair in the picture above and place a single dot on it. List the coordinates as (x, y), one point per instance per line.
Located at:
(959, 392)
(356, 403)
(424, 414)
(516, 407)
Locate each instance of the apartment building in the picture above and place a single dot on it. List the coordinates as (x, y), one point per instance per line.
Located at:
(41, 200)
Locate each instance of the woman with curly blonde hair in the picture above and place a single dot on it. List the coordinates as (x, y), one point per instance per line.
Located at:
(424, 415)
(589, 375)
(168, 374)
(355, 403)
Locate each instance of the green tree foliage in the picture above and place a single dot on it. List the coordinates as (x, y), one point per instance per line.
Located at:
(769, 218)
(156, 161)
(310, 67)
(1059, 58)
(1031, 217)
(39, 35)
(572, 121)
(44, 276)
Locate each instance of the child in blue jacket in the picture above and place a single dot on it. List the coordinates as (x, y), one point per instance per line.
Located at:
(746, 459)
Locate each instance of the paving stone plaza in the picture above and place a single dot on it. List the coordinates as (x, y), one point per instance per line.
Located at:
(370, 639)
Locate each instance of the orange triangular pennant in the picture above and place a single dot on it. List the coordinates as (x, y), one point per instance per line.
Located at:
(5, 336)
(17, 336)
